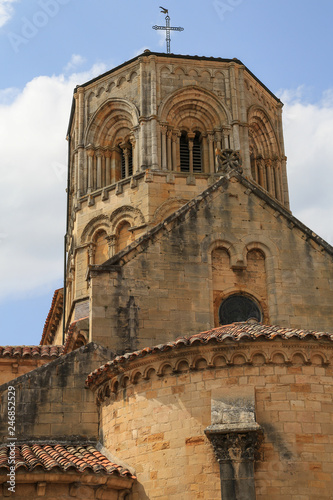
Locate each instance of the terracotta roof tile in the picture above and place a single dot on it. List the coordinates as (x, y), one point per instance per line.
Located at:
(31, 351)
(57, 297)
(235, 332)
(81, 458)
(70, 334)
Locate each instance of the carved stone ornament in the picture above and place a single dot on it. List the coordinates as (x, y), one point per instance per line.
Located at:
(236, 446)
(228, 159)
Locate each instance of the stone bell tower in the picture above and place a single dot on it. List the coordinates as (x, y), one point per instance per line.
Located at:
(142, 143)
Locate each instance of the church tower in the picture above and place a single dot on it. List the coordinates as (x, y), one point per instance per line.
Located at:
(178, 206)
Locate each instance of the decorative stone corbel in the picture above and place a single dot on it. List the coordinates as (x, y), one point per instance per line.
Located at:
(41, 489)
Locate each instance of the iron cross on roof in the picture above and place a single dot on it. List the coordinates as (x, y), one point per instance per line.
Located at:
(167, 28)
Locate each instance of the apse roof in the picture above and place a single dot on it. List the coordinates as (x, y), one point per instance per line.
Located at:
(234, 333)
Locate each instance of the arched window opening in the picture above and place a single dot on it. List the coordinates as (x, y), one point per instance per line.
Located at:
(184, 153)
(101, 248)
(197, 163)
(124, 236)
(237, 308)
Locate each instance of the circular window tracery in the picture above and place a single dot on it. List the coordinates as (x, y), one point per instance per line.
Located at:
(237, 308)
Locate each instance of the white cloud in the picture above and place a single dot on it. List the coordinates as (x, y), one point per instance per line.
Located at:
(6, 11)
(308, 130)
(33, 154)
(75, 61)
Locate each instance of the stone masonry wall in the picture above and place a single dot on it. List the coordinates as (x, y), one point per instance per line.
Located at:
(154, 413)
(51, 401)
(164, 287)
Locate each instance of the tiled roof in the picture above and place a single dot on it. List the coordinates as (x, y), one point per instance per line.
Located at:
(80, 458)
(235, 332)
(70, 334)
(55, 309)
(31, 351)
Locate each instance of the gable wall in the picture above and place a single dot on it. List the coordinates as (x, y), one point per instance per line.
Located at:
(166, 290)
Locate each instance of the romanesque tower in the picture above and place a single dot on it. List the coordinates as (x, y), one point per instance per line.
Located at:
(147, 139)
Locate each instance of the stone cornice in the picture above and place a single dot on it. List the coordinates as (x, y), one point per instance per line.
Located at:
(281, 352)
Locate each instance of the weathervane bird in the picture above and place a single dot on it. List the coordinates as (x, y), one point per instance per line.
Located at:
(167, 28)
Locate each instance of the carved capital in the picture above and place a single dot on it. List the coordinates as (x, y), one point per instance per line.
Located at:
(132, 140)
(111, 240)
(236, 446)
(90, 151)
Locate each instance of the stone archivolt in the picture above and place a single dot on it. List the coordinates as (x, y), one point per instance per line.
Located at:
(265, 154)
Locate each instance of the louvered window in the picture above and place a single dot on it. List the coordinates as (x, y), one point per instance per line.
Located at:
(197, 153)
(184, 153)
(123, 167)
(123, 162)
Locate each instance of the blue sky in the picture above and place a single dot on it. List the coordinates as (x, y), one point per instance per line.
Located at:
(49, 46)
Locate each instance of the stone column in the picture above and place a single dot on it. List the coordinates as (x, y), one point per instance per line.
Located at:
(82, 172)
(190, 137)
(260, 163)
(284, 182)
(226, 144)
(236, 451)
(77, 182)
(164, 147)
(90, 153)
(205, 153)
(111, 245)
(169, 151)
(211, 153)
(277, 180)
(218, 140)
(80, 92)
(107, 168)
(175, 141)
(91, 254)
(99, 169)
(269, 176)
